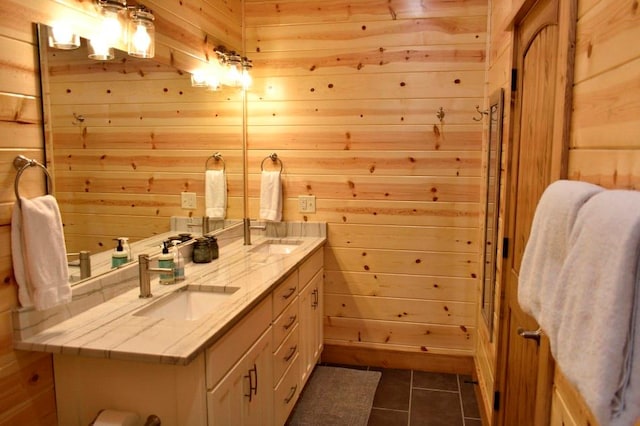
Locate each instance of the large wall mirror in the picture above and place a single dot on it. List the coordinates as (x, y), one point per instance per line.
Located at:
(125, 138)
(492, 209)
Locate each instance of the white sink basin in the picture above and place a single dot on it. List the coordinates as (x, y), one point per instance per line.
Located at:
(188, 303)
(280, 247)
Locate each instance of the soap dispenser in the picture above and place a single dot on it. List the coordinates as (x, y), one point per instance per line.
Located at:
(119, 256)
(165, 260)
(126, 247)
(178, 261)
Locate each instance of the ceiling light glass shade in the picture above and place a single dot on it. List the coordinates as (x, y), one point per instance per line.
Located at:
(61, 36)
(111, 29)
(246, 80)
(233, 73)
(100, 50)
(141, 33)
(199, 79)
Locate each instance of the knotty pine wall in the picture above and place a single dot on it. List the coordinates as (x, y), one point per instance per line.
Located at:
(347, 94)
(186, 33)
(604, 143)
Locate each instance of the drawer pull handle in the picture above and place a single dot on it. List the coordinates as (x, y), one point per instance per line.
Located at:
(292, 393)
(292, 320)
(288, 295)
(291, 353)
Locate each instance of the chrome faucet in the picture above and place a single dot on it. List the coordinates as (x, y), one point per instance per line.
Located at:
(144, 273)
(204, 225)
(247, 226)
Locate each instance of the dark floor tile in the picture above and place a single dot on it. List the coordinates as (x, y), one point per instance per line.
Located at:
(439, 381)
(469, 401)
(472, 422)
(380, 417)
(393, 389)
(435, 408)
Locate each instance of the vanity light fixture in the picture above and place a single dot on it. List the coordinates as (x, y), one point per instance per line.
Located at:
(61, 36)
(99, 50)
(141, 33)
(111, 31)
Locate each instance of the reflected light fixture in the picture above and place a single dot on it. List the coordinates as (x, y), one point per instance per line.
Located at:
(141, 33)
(246, 79)
(61, 36)
(233, 75)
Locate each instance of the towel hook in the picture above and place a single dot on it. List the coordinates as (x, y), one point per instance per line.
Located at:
(22, 163)
(217, 157)
(273, 157)
(485, 112)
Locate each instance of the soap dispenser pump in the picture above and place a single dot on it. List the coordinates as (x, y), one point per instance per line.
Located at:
(126, 247)
(119, 256)
(165, 260)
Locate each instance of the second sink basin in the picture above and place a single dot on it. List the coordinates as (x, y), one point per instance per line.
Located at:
(189, 303)
(270, 247)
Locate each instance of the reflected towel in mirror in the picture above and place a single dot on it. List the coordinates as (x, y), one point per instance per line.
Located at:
(215, 194)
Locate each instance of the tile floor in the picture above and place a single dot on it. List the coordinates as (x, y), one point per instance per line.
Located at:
(418, 398)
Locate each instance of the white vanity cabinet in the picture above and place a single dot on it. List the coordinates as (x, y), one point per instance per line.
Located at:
(311, 314)
(252, 375)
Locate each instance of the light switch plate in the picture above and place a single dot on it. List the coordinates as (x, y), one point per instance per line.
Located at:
(306, 203)
(188, 200)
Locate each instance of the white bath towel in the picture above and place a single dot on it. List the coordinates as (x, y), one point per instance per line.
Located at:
(39, 253)
(270, 196)
(593, 335)
(546, 248)
(215, 194)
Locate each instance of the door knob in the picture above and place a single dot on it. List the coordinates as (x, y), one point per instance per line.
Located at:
(528, 334)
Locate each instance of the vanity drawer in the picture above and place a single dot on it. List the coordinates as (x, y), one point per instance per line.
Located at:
(283, 325)
(285, 293)
(286, 393)
(285, 354)
(223, 354)
(310, 266)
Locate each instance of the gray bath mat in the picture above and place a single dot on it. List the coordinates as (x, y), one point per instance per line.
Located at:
(336, 397)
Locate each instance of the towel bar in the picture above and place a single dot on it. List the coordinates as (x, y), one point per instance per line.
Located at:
(21, 163)
(274, 157)
(218, 157)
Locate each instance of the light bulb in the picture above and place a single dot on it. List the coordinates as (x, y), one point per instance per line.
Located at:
(61, 36)
(141, 39)
(100, 50)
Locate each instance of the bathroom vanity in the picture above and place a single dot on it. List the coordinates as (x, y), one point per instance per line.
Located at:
(241, 358)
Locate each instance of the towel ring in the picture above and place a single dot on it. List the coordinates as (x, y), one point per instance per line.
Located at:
(22, 163)
(218, 157)
(274, 158)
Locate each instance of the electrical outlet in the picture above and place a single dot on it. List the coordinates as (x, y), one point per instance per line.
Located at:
(306, 204)
(188, 200)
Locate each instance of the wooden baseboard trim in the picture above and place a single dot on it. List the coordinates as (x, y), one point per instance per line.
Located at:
(388, 358)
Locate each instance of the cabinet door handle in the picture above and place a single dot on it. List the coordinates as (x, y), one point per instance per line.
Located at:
(288, 295)
(291, 353)
(528, 334)
(292, 320)
(292, 393)
(314, 304)
(253, 388)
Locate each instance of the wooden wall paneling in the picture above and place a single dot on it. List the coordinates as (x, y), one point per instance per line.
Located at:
(605, 109)
(297, 12)
(602, 48)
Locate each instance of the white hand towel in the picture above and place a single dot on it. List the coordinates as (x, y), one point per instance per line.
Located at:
(270, 196)
(599, 278)
(215, 194)
(39, 254)
(17, 255)
(546, 248)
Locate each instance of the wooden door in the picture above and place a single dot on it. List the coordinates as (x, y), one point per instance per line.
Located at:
(537, 158)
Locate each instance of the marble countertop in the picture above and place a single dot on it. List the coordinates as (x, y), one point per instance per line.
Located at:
(112, 330)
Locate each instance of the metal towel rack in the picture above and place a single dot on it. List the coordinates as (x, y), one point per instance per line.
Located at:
(217, 157)
(273, 157)
(22, 163)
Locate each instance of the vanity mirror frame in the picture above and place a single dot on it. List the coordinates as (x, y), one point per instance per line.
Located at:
(228, 145)
(492, 206)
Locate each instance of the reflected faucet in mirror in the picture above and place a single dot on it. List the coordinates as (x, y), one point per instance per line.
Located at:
(84, 263)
